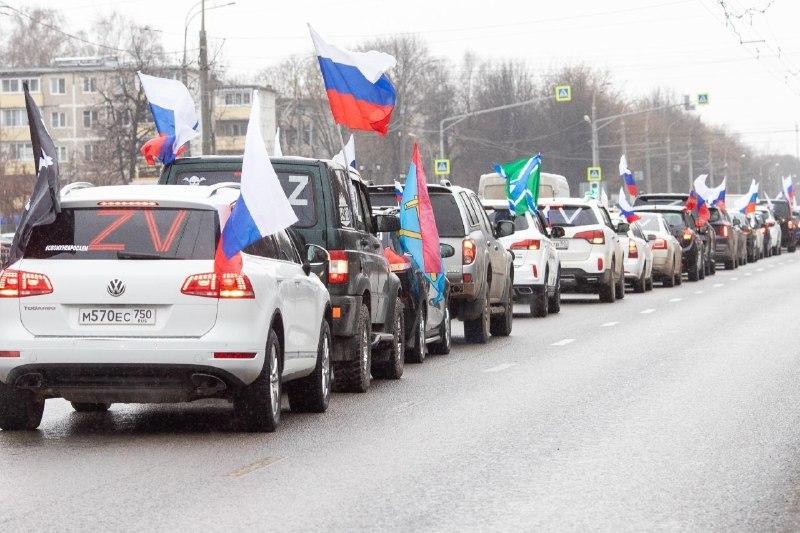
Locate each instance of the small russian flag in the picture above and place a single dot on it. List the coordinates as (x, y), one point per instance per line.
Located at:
(627, 176)
(626, 208)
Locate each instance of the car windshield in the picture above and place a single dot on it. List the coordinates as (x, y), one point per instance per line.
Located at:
(126, 234)
(497, 214)
(570, 215)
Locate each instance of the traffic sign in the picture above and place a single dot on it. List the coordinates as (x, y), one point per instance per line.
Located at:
(441, 167)
(563, 93)
(702, 99)
(594, 173)
(594, 190)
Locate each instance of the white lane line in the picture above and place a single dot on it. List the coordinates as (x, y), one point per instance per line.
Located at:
(608, 324)
(563, 342)
(676, 300)
(717, 285)
(734, 279)
(252, 467)
(771, 266)
(748, 273)
(499, 368)
(759, 270)
(648, 311)
(698, 292)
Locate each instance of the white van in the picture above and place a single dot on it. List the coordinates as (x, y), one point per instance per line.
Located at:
(492, 187)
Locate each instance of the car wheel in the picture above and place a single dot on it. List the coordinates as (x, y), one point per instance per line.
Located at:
(730, 264)
(620, 289)
(640, 285)
(608, 291)
(393, 358)
(791, 248)
(354, 375)
(554, 302)
(539, 304)
(501, 325)
(476, 331)
(19, 409)
(258, 406)
(312, 394)
(442, 346)
(88, 407)
(417, 353)
(696, 268)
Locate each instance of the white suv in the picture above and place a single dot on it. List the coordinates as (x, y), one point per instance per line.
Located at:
(117, 301)
(592, 259)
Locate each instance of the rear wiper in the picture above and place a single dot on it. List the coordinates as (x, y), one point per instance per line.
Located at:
(138, 255)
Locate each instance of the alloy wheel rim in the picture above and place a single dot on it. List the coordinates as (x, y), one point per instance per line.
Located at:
(365, 351)
(326, 366)
(421, 334)
(274, 380)
(486, 315)
(398, 326)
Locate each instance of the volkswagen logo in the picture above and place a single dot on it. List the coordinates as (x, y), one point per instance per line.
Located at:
(115, 288)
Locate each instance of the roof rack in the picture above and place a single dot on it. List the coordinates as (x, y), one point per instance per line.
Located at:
(66, 189)
(213, 189)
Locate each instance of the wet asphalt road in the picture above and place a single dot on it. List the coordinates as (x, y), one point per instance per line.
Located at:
(673, 410)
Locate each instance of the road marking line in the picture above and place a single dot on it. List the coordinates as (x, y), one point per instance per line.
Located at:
(717, 285)
(608, 324)
(563, 342)
(698, 292)
(676, 300)
(759, 270)
(748, 273)
(252, 467)
(771, 266)
(648, 311)
(499, 368)
(734, 279)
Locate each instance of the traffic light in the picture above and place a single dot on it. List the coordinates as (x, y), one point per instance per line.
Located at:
(687, 103)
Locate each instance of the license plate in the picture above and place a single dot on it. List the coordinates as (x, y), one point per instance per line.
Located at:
(561, 244)
(117, 316)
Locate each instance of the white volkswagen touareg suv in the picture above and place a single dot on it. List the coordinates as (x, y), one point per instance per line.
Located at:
(117, 301)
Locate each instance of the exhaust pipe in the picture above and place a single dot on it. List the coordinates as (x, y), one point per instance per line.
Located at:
(525, 291)
(207, 385)
(29, 381)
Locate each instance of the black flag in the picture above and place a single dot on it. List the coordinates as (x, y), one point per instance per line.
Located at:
(44, 203)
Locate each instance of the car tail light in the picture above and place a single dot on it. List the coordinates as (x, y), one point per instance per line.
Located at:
(790, 224)
(466, 278)
(527, 244)
(687, 234)
(234, 355)
(9, 353)
(19, 284)
(228, 286)
(723, 231)
(397, 263)
(594, 236)
(660, 244)
(468, 251)
(633, 251)
(338, 267)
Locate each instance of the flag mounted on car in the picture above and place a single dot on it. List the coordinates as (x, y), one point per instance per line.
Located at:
(627, 176)
(747, 204)
(788, 190)
(626, 208)
(419, 235)
(174, 115)
(522, 183)
(359, 92)
(45, 201)
(347, 156)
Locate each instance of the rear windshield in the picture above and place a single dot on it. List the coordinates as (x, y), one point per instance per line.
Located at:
(496, 215)
(673, 219)
(571, 215)
(447, 215)
(649, 222)
(382, 199)
(781, 209)
(298, 187)
(714, 216)
(95, 233)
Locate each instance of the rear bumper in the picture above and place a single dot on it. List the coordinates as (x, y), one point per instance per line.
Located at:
(579, 280)
(348, 306)
(723, 250)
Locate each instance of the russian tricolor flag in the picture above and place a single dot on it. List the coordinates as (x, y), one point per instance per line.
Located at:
(262, 208)
(627, 176)
(359, 92)
(625, 207)
(174, 115)
(788, 190)
(747, 204)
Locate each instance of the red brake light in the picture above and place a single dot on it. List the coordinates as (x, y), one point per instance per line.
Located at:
(9, 353)
(594, 236)
(227, 286)
(527, 244)
(234, 355)
(660, 244)
(687, 234)
(338, 268)
(723, 231)
(467, 252)
(19, 284)
(633, 251)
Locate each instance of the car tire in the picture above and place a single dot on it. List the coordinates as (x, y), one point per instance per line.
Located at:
(791, 248)
(394, 357)
(649, 282)
(640, 285)
(442, 346)
(554, 301)
(539, 303)
(258, 405)
(355, 375)
(312, 394)
(695, 269)
(608, 291)
(669, 281)
(89, 407)
(417, 353)
(501, 325)
(730, 264)
(476, 331)
(19, 409)
(620, 289)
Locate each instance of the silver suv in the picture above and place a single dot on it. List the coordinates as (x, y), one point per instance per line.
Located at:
(481, 276)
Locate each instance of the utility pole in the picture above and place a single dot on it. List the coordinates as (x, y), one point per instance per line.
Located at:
(691, 160)
(205, 100)
(647, 152)
(797, 140)
(624, 136)
(669, 163)
(595, 144)
(711, 161)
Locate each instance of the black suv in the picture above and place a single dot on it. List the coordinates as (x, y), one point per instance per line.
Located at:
(704, 231)
(785, 217)
(683, 226)
(336, 225)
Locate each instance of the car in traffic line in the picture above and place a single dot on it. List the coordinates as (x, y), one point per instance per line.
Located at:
(666, 249)
(638, 256)
(5, 247)
(773, 230)
(729, 238)
(683, 227)
(536, 262)
(784, 217)
(747, 238)
(118, 300)
(592, 259)
(334, 213)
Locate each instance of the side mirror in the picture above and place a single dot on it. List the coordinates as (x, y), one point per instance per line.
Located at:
(557, 232)
(446, 250)
(387, 223)
(316, 255)
(736, 223)
(623, 228)
(651, 237)
(504, 228)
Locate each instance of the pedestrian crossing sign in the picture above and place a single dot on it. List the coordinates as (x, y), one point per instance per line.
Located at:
(594, 174)
(702, 99)
(441, 167)
(563, 93)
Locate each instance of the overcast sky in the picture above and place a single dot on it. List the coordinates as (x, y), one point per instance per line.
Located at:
(683, 45)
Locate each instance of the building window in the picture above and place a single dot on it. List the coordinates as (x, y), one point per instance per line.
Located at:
(88, 152)
(58, 86)
(62, 154)
(21, 151)
(89, 118)
(233, 128)
(14, 85)
(237, 97)
(125, 117)
(10, 86)
(58, 119)
(33, 84)
(89, 85)
(14, 117)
